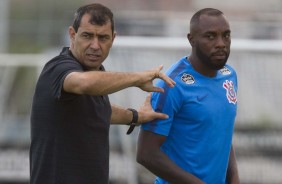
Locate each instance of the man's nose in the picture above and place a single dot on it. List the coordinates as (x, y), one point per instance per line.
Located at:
(95, 44)
(221, 42)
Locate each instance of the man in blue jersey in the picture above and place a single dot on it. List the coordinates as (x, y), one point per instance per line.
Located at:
(194, 145)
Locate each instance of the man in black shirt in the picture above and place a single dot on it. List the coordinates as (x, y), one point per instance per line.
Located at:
(71, 112)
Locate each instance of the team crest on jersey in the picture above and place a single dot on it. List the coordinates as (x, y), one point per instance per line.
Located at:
(230, 91)
(225, 71)
(187, 78)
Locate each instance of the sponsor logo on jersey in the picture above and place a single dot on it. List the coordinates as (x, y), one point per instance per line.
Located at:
(225, 71)
(187, 78)
(230, 91)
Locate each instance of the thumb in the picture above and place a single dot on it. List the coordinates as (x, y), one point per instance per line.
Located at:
(157, 89)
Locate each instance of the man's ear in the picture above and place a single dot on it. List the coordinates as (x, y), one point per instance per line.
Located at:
(113, 38)
(71, 33)
(114, 35)
(190, 39)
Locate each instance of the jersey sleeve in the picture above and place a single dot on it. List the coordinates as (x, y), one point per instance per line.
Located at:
(168, 103)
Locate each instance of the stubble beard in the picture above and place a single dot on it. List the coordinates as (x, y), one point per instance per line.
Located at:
(206, 60)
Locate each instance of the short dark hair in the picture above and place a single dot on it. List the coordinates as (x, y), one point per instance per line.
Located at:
(100, 15)
(206, 11)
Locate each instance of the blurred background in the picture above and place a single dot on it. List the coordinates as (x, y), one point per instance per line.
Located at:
(150, 33)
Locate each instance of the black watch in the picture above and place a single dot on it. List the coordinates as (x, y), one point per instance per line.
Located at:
(133, 122)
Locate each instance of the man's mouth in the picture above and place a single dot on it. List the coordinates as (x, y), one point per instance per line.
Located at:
(93, 56)
(219, 55)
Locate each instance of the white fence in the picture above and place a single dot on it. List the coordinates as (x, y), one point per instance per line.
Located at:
(260, 105)
(258, 64)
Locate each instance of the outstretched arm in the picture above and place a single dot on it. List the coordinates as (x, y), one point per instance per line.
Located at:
(150, 156)
(232, 172)
(102, 83)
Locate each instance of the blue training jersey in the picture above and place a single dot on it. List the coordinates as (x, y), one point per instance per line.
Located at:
(202, 113)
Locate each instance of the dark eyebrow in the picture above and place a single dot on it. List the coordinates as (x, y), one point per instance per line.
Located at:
(209, 32)
(214, 32)
(85, 32)
(92, 34)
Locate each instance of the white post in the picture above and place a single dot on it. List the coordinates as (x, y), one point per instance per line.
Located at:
(4, 25)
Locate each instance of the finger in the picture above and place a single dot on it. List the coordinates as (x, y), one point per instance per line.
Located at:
(160, 67)
(161, 115)
(158, 70)
(148, 99)
(167, 79)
